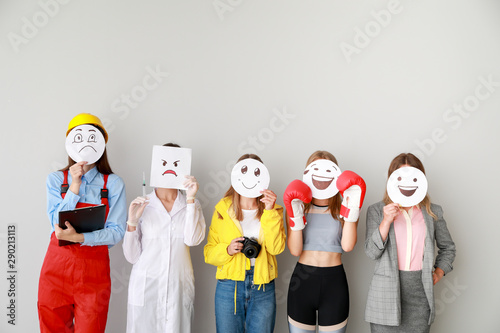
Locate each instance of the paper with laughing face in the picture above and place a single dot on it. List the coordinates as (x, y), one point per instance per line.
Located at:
(85, 143)
(407, 186)
(321, 176)
(169, 165)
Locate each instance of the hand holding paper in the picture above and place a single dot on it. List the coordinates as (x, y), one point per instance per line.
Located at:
(269, 199)
(191, 186)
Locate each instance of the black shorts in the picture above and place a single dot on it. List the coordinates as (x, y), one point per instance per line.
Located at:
(322, 289)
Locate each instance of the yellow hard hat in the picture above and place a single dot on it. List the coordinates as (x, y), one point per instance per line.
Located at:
(87, 118)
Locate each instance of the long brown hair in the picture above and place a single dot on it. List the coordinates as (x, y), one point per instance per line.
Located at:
(231, 193)
(335, 201)
(411, 160)
(102, 164)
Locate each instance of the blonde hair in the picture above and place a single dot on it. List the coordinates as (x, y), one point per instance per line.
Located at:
(335, 201)
(411, 160)
(235, 196)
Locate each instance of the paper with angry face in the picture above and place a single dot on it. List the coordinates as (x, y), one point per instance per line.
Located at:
(169, 166)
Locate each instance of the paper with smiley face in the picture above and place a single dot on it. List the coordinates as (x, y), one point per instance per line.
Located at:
(169, 165)
(85, 143)
(249, 177)
(407, 186)
(321, 176)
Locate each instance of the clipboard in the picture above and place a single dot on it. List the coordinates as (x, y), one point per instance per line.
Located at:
(86, 219)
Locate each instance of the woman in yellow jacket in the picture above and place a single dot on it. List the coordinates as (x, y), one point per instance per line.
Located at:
(245, 295)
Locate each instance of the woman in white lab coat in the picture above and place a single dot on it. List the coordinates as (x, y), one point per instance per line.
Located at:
(160, 230)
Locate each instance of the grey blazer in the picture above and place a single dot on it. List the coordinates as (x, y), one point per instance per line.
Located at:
(384, 302)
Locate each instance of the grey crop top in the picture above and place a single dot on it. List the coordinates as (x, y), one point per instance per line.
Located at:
(322, 232)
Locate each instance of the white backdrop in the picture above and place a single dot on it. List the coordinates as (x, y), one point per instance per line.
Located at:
(365, 80)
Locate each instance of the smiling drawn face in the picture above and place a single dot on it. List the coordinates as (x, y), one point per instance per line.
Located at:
(321, 176)
(407, 186)
(85, 143)
(169, 165)
(249, 177)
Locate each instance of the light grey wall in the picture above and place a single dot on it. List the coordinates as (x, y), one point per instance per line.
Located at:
(365, 80)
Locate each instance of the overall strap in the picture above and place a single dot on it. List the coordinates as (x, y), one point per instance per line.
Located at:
(64, 185)
(104, 194)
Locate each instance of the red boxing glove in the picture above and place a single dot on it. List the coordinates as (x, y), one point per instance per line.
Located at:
(351, 186)
(296, 194)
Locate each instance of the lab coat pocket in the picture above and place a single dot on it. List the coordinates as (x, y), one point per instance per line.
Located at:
(137, 288)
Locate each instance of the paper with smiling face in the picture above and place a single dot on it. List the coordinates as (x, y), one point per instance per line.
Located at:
(169, 165)
(407, 186)
(85, 143)
(249, 177)
(321, 176)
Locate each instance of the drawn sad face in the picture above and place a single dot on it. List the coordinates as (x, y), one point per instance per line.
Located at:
(321, 176)
(407, 186)
(85, 143)
(249, 177)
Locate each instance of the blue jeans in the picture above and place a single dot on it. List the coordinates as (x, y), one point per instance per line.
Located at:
(254, 310)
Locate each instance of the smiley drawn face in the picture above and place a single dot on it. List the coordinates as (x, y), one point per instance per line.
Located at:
(407, 186)
(169, 165)
(85, 143)
(321, 176)
(249, 177)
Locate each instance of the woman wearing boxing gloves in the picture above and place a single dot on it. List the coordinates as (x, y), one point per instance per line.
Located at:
(75, 283)
(246, 234)
(161, 228)
(321, 226)
(401, 233)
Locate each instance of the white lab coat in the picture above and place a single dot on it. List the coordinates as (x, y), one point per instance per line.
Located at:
(161, 287)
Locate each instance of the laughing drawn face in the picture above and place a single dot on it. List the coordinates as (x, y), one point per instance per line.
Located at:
(169, 165)
(249, 177)
(407, 186)
(85, 143)
(321, 176)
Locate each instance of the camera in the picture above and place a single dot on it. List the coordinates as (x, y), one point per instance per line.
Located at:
(251, 247)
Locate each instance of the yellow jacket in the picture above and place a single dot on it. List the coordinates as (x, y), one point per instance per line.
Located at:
(223, 231)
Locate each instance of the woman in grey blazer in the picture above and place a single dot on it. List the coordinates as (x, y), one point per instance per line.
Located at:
(402, 300)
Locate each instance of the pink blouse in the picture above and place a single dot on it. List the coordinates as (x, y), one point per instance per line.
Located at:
(410, 232)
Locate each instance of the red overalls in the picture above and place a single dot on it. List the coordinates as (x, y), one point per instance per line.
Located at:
(75, 282)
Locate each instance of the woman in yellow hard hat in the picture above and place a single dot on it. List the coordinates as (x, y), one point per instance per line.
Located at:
(75, 285)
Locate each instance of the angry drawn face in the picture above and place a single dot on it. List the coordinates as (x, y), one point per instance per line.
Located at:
(85, 143)
(407, 186)
(169, 168)
(249, 177)
(321, 176)
(169, 165)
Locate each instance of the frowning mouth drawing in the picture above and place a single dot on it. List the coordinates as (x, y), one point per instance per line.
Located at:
(172, 172)
(87, 146)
